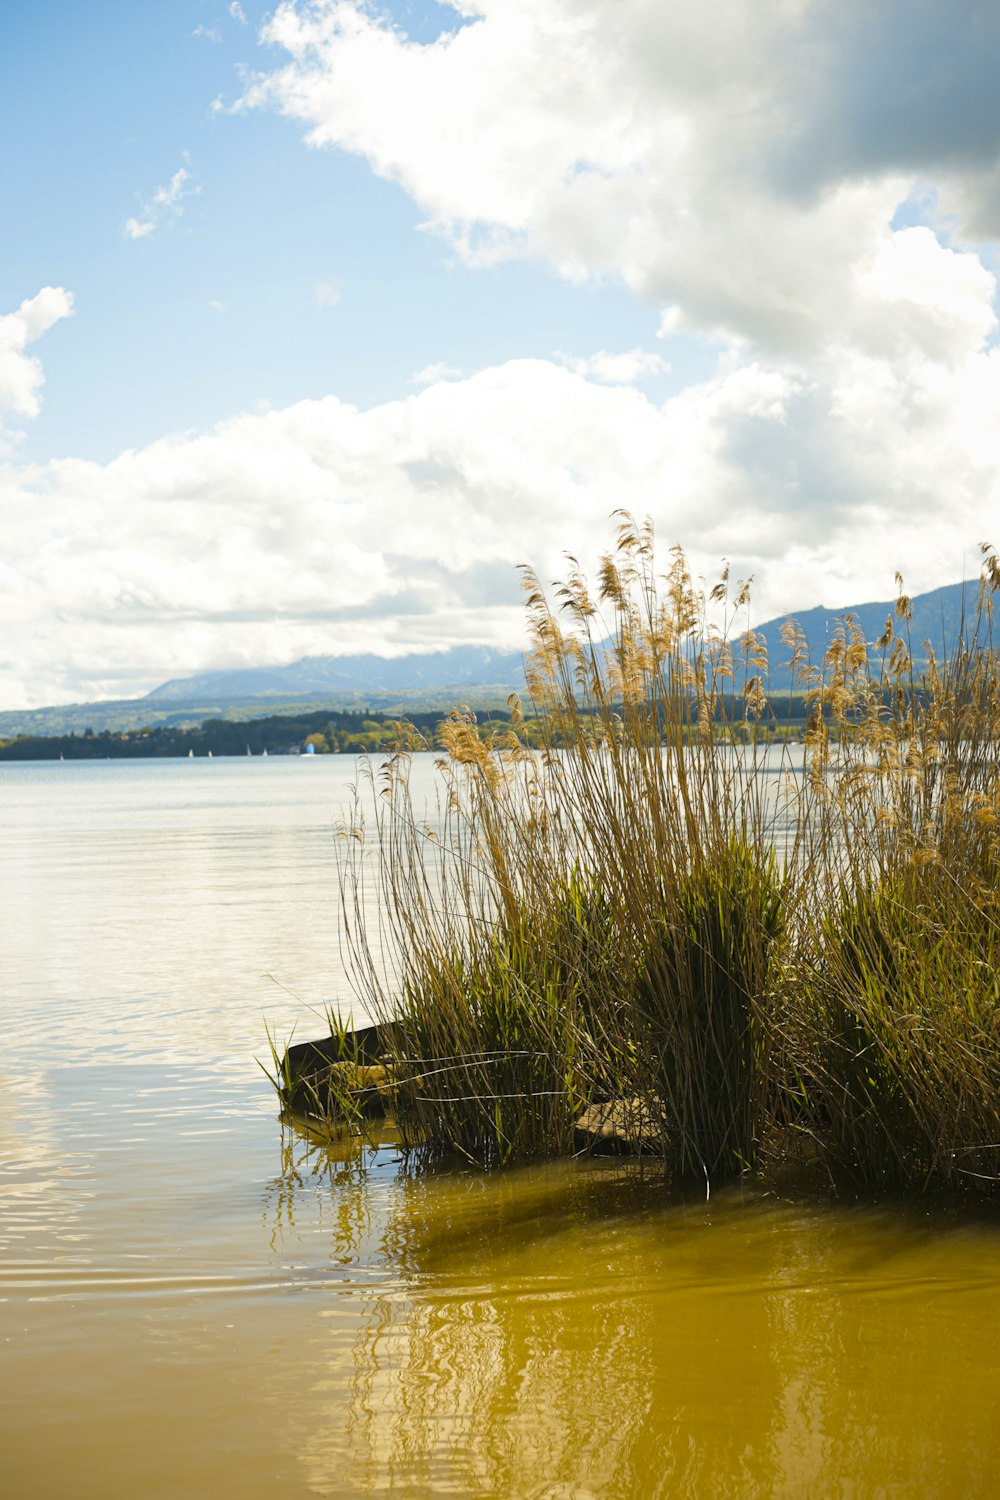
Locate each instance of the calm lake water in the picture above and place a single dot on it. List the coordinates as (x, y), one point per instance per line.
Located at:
(194, 1303)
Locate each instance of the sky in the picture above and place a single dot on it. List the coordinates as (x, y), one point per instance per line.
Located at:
(316, 320)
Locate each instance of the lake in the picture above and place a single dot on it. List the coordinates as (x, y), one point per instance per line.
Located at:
(195, 1302)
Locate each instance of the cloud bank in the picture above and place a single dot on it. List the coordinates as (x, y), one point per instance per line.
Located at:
(323, 528)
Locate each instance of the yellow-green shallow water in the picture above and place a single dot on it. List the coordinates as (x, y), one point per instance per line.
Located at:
(196, 1303)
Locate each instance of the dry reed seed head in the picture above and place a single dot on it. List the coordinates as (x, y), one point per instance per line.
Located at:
(807, 677)
(985, 812)
(899, 659)
(627, 532)
(885, 639)
(531, 588)
(575, 595)
(753, 648)
(754, 699)
(610, 584)
(686, 675)
(990, 575)
(680, 595)
(791, 635)
(722, 658)
(652, 654)
(581, 658)
(742, 599)
(925, 854)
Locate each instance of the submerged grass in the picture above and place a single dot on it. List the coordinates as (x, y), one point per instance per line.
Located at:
(653, 905)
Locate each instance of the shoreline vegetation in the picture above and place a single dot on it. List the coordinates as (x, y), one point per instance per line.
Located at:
(633, 908)
(328, 731)
(334, 732)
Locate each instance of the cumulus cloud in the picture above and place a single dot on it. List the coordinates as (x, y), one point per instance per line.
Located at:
(21, 375)
(324, 528)
(741, 162)
(166, 204)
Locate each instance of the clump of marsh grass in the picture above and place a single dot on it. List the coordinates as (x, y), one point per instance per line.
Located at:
(490, 973)
(642, 900)
(592, 918)
(895, 1007)
(700, 1000)
(681, 824)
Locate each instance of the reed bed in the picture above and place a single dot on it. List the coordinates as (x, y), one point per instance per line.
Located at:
(650, 905)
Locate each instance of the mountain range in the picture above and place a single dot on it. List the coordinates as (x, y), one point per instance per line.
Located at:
(937, 618)
(439, 679)
(462, 666)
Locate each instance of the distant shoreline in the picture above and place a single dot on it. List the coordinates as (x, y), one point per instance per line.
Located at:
(277, 734)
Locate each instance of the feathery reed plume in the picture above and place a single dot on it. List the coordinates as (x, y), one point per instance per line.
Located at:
(626, 893)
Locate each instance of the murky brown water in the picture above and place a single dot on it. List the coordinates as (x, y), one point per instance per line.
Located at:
(193, 1303)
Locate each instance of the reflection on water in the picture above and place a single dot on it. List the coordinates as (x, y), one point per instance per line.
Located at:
(195, 1304)
(567, 1330)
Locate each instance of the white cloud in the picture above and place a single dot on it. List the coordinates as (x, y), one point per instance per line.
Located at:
(237, 12)
(208, 33)
(431, 374)
(741, 161)
(166, 204)
(616, 369)
(216, 306)
(138, 229)
(327, 293)
(21, 375)
(671, 322)
(324, 528)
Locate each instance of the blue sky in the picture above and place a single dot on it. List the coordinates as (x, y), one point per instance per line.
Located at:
(351, 308)
(105, 102)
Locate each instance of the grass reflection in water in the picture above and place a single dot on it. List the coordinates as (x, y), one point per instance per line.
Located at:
(571, 1329)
